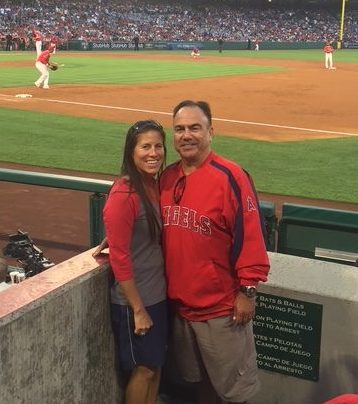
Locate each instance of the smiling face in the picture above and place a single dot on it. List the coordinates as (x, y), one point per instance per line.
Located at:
(192, 135)
(148, 154)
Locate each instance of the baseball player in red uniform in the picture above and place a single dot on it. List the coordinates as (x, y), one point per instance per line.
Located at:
(195, 53)
(328, 55)
(215, 256)
(37, 36)
(42, 65)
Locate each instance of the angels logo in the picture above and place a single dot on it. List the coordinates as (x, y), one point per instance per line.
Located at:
(250, 204)
(186, 218)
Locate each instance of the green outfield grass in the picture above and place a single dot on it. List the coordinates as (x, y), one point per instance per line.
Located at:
(101, 70)
(91, 69)
(322, 169)
(314, 169)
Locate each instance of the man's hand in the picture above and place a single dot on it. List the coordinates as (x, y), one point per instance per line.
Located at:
(244, 309)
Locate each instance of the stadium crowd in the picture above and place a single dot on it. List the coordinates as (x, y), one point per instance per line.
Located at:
(111, 20)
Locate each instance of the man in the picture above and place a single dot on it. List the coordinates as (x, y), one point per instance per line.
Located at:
(53, 43)
(328, 55)
(42, 65)
(220, 44)
(195, 53)
(215, 256)
(8, 42)
(136, 43)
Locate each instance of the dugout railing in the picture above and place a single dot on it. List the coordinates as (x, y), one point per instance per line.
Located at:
(319, 233)
(307, 231)
(99, 189)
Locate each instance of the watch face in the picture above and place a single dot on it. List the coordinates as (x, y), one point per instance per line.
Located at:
(250, 291)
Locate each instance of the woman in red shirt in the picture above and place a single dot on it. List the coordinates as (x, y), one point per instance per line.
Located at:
(133, 235)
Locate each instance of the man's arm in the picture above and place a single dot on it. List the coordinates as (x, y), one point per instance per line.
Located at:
(248, 256)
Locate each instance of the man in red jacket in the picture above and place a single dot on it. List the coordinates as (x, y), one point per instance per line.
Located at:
(215, 256)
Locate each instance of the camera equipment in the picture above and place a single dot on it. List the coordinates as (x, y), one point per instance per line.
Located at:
(28, 255)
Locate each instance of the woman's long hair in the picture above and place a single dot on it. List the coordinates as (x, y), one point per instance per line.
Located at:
(130, 170)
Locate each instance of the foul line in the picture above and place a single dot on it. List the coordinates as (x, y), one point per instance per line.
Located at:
(214, 119)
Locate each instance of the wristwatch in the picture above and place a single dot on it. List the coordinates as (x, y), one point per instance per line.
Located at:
(249, 291)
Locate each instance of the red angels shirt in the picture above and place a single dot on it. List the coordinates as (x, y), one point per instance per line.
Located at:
(212, 238)
(132, 252)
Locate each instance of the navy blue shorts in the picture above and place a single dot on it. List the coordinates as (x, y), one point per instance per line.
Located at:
(134, 350)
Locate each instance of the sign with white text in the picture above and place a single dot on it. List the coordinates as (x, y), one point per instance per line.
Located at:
(288, 336)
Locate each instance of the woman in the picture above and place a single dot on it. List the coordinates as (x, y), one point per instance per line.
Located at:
(133, 228)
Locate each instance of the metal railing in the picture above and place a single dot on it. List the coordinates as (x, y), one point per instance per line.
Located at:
(96, 200)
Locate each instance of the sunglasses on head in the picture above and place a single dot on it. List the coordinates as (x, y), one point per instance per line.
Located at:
(148, 124)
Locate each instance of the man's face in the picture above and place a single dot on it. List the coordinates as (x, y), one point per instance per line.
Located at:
(192, 135)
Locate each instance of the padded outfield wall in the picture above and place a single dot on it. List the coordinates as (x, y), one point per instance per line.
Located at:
(172, 45)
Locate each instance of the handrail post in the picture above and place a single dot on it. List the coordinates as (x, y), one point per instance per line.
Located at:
(96, 227)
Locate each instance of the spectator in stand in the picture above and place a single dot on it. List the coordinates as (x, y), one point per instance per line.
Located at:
(136, 43)
(220, 44)
(22, 43)
(53, 43)
(8, 39)
(138, 295)
(176, 21)
(37, 36)
(215, 256)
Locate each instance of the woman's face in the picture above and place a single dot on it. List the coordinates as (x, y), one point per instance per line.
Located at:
(148, 154)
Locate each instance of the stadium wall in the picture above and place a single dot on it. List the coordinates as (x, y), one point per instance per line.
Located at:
(56, 342)
(171, 45)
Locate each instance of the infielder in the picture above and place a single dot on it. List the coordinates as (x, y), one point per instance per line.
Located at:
(195, 53)
(328, 55)
(42, 65)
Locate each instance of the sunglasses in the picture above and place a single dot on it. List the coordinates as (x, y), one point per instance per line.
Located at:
(179, 189)
(148, 124)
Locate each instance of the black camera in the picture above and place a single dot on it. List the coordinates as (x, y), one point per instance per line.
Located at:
(28, 255)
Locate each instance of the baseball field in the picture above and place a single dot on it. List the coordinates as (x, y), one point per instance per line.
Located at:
(289, 121)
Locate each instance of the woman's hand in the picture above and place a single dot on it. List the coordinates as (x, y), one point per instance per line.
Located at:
(142, 322)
